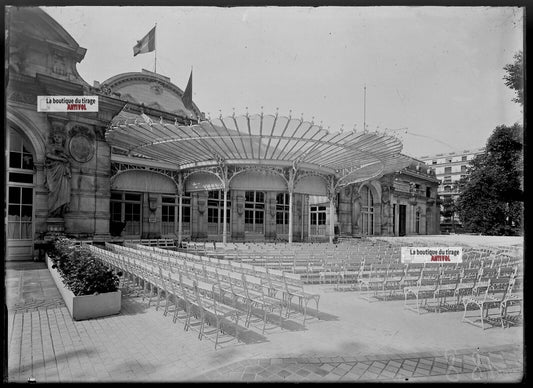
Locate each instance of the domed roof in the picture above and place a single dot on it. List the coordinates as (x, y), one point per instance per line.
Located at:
(151, 90)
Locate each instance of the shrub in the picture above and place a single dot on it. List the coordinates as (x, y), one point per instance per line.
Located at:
(80, 270)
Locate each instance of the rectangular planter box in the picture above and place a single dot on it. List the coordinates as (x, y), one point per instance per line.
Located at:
(86, 306)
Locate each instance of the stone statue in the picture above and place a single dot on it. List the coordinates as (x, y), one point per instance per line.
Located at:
(386, 207)
(58, 174)
(356, 210)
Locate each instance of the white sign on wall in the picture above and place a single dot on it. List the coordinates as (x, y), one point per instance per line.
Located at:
(67, 103)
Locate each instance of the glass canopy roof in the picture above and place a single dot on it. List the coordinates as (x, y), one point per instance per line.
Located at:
(260, 140)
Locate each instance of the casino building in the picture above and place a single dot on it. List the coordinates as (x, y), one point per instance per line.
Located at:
(147, 166)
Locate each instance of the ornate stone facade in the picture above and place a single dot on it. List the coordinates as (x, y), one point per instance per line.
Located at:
(95, 186)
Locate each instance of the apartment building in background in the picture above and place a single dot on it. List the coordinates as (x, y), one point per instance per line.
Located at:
(449, 168)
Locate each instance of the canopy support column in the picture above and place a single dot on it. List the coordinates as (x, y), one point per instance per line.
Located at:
(331, 221)
(332, 195)
(290, 216)
(180, 208)
(290, 187)
(224, 217)
(180, 219)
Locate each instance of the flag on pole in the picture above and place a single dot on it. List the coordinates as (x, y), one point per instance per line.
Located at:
(146, 44)
(187, 95)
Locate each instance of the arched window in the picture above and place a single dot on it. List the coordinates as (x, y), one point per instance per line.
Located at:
(367, 211)
(20, 188)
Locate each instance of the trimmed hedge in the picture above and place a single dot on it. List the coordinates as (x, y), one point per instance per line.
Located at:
(80, 270)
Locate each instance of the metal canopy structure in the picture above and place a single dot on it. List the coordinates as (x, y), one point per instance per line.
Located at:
(260, 140)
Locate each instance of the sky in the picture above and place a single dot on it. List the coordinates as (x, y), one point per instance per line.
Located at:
(433, 76)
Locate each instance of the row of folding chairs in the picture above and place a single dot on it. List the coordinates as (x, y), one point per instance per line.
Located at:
(285, 286)
(495, 302)
(383, 281)
(323, 267)
(433, 291)
(161, 242)
(234, 265)
(195, 298)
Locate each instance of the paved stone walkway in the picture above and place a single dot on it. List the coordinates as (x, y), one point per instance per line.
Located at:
(141, 344)
(501, 364)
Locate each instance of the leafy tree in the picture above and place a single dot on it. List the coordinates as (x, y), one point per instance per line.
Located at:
(515, 77)
(449, 209)
(491, 195)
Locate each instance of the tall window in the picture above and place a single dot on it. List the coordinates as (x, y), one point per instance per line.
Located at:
(318, 221)
(447, 170)
(417, 224)
(215, 212)
(126, 207)
(20, 191)
(170, 214)
(282, 213)
(367, 211)
(254, 211)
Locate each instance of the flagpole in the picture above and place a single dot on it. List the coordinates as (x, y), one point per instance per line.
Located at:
(364, 111)
(155, 50)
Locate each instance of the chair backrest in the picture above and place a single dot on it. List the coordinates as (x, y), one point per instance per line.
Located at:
(197, 296)
(183, 287)
(163, 280)
(379, 270)
(469, 274)
(171, 282)
(507, 271)
(488, 273)
(481, 287)
(431, 272)
(517, 284)
(450, 276)
(245, 286)
(501, 286)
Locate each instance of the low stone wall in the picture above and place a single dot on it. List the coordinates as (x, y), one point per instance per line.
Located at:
(86, 306)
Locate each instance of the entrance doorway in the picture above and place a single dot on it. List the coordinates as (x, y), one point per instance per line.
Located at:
(254, 214)
(402, 220)
(318, 215)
